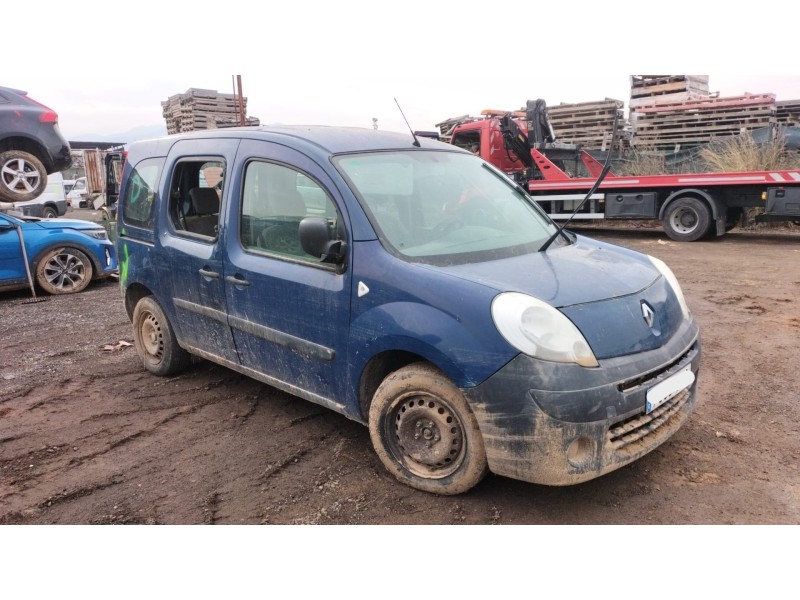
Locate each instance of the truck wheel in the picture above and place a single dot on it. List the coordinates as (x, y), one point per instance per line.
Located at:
(64, 271)
(155, 340)
(425, 433)
(48, 212)
(686, 220)
(22, 176)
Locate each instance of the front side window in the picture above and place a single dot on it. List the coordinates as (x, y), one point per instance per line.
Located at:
(444, 207)
(195, 194)
(137, 204)
(275, 199)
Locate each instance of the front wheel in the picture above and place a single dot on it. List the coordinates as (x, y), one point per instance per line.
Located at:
(687, 219)
(155, 339)
(48, 212)
(64, 271)
(425, 433)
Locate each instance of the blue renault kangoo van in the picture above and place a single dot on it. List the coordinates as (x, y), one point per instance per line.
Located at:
(412, 287)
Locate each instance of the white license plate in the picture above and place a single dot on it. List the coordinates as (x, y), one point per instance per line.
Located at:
(669, 388)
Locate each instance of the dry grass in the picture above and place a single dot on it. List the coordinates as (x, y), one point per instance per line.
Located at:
(743, 153)
(641, 161)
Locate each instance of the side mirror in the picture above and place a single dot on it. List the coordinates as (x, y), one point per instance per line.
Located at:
(5, 226)
(315, 240)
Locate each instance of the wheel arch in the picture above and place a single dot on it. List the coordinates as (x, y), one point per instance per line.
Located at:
(381, 365)
(719, 211)
(31, 146)
(134, 293)
(97, 267)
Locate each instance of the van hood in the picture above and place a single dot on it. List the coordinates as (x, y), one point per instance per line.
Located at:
(583, 272)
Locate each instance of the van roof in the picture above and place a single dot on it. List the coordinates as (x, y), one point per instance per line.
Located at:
(330, 139)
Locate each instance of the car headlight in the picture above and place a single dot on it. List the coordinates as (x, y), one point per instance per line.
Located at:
(98, 234)
(540, 330)
(673, 282)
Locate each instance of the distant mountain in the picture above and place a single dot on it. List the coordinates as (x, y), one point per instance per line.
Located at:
(132, 135)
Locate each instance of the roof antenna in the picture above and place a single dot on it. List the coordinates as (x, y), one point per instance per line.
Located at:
(414, 135)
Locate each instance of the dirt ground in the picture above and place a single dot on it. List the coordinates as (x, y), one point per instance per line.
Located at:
(87, 436)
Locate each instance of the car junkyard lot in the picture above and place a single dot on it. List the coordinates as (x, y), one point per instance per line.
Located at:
(87, 436)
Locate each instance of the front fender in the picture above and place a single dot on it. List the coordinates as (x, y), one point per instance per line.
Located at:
(434, 334)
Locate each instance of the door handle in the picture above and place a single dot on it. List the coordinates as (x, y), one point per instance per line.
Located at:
(210, 274)
(237, 281)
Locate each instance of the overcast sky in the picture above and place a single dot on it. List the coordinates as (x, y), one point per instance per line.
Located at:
(342, 63)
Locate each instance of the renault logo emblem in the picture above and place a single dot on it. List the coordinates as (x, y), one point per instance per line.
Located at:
(648, 314)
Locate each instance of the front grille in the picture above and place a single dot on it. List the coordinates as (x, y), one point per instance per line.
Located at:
(640, 432)
(631, 384)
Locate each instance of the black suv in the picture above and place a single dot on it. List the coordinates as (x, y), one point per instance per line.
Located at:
(31, 146)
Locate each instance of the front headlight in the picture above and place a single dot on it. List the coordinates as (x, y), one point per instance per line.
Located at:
(98, 234)
(673, 282)
(539, 330)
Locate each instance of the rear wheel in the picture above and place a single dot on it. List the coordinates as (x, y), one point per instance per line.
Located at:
(425, 433)
(48, 212)
(22, 176)
(686, 219)
(64, 271)
(155, 340)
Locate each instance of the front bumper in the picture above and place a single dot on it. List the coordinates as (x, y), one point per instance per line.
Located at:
(560, 424)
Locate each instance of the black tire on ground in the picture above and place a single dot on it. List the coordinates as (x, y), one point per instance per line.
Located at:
(687, 219)
(425, 433)
(22, 176)
(48, 212)
(64, 271)
(155, 340)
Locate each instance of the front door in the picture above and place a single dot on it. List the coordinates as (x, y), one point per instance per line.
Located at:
(289, 313)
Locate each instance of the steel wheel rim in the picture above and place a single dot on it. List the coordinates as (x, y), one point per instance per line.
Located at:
(64, 271)
(21, 175)
(425, 434)
(685, 220)
(151, 336)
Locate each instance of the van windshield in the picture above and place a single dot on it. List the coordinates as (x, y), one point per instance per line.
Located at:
(444, 207)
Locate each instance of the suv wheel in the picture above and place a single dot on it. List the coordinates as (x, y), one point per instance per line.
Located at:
(22, 176)
(64, 271)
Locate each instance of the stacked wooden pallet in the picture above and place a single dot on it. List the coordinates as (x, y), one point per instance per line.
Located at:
(202, 109)
(647, 90)
(787, 112)
(447, 126)
(589, 124)
(671, 125)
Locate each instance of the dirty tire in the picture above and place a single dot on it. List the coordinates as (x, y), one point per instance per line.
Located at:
(687, 219)
(22, 176)
(64, 271)
(425, 433)
(155, 340)
(48, 212)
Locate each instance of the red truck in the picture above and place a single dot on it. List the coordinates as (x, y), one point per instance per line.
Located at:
(690, 206)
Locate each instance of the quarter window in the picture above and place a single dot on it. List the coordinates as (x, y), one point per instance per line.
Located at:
(138, 202)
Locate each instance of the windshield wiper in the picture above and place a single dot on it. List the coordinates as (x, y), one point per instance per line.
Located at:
(606, 168)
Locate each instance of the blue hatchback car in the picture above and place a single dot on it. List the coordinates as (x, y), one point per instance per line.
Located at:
(412, 287)
(64, 255)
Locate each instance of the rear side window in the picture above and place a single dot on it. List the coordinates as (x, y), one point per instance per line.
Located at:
(275, 199)
(139, 199)
(195, 193)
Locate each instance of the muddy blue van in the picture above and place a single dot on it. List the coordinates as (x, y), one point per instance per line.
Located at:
(411, 286)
